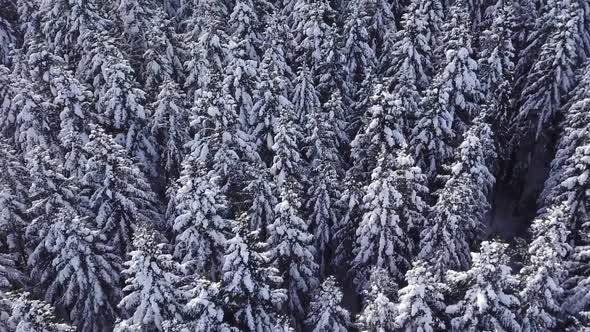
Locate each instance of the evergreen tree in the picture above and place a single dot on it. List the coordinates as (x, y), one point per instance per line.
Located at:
(287, 164)
(311, 31)
(443, 241)
(151, 288)
(220, 141)
(33, 315)
(241, 72)
(7, 40)
(207, 309)
(357, 51)
(116, 191)
(566, 181)
(207, 45)
(344, 231)
(551, 77)
(543, 275)
(65, 24)
(82, 275)
(382, 130)
(170, 127)
(50, 192)
(408, 57)
(271, 97)
(382, 238)
(432, 136)
(496, 55)
(14, 185)
(421, 302)
(325, 313)
(489, 302)
(379, 310)
(322, 150)
(200, 225)
(250, 287)
(292, 252)
(306, 98)
(458, 82)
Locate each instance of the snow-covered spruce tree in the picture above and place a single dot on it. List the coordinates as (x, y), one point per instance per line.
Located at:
(29, 315)
(250, 286)
(220, 141)
(551, 77)
(121, 109)
(408, 54)
(544, 273)
(457, 81)
(305, 96)
(344, 231)
(566, 181)
(292, 252)
(325, 312)
(65, 24)
(14, 186)
(378, 312)
(7, 40)
(287, 164)
(10, 277)
(421, 303)
(36, 122)
(170, 127)
(262, 198)
(411, 184)
(381, 239)
(381, 131)
(444, 238)
(116, 191)
(200, 226)
(490, 301)
(432, 137)
(7, 111)
(50, 192)
(380, 20)
(81, 274)
(207, 45)
(496, 56)
(205, 309)
(577, 285)
(311, 31)
(241, 73)
(151, 289)
(470, 172)
(360, 57)
(322, 149)
(272, 94)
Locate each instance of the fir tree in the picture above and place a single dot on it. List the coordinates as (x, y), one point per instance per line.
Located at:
(382, 239)
(200, 225)
(170, 127)
(250, 286)
(207, 308)
(325, 313)
(551, 77)
(14, 185)
(490, 302)
(33, 315)
(421, 302)
(151, 289)
(543, 275)
(116, 191)
(379, 310)
(7, 40)
(360, 56)
(444, 239)
(292, 252)
(311, 31)
(82, 275)
(382, 130)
